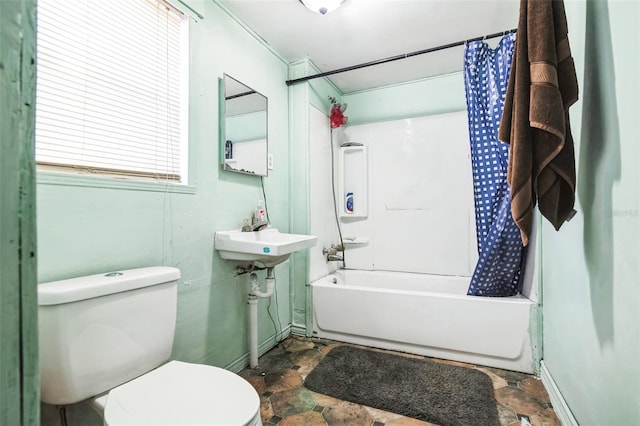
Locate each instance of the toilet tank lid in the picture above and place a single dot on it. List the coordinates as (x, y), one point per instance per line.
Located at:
(87, 287)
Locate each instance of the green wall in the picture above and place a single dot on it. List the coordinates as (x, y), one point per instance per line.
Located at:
(19, 372)
(301, 97)
(435, 95)
(245, 127)
(590, 268)
(86, 227)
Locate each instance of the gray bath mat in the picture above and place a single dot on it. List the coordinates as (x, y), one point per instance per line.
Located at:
(419, 388)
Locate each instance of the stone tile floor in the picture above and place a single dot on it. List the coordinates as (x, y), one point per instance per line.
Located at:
(285, 401)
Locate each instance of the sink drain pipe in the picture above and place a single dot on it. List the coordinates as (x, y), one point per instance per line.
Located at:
(254, 294)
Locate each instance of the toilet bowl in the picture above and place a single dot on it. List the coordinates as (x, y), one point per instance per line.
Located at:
(180, 393)
(107, 339)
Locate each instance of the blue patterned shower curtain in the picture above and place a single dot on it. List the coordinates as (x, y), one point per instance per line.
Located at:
(501, 255)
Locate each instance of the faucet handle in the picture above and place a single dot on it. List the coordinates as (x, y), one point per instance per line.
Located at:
(334, 249)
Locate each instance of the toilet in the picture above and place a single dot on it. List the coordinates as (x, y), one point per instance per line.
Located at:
(107, 339)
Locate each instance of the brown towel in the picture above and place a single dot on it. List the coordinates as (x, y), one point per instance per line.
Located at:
(535, 121)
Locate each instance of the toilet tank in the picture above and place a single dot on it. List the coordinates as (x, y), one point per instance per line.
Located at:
(97, 332)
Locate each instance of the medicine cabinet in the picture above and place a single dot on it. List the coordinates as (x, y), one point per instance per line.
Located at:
(243, 128)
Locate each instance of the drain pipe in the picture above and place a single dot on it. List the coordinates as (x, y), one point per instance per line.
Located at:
(254, 294)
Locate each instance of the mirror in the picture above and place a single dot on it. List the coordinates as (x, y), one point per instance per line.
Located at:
(243, 132)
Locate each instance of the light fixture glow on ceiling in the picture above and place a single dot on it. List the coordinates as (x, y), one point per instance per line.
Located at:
(322, 6)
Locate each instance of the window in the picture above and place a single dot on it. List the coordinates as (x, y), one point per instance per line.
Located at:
(111, 93)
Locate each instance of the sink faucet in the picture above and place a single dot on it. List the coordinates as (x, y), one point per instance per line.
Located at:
(258, 226)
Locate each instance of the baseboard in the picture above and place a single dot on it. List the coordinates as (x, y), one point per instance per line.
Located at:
(557, 400)
(239, 364)
(298, 330)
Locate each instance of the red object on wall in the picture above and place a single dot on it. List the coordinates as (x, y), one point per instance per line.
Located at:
(337, 117)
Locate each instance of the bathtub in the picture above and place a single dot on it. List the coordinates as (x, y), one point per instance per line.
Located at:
(426, 315)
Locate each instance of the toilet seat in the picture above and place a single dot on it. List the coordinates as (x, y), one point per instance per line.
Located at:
(179, 393)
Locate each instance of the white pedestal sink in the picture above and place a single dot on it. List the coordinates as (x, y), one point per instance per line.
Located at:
(268, 247)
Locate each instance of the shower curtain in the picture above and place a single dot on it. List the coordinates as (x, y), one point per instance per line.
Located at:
(501, 255)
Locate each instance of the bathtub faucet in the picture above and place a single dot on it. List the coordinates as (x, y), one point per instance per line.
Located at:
(332, 253)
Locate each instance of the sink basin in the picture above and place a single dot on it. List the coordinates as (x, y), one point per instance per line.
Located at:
(268, 246)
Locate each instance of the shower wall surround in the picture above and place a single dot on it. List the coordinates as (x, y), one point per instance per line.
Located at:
(420, 197)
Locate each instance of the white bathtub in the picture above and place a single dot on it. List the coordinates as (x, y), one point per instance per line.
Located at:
(424, 314)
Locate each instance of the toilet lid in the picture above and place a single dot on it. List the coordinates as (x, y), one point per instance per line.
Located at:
(180, 393)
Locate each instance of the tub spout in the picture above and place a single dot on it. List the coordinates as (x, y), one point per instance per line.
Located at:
(334, 257)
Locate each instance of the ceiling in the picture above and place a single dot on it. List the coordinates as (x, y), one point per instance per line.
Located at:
(366, 30)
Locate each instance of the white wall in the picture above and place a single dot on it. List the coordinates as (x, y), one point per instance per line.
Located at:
(421, 214)
(420, 194)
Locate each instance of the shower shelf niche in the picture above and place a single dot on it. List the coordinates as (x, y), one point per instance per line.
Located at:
(355, 242)
(352, 166)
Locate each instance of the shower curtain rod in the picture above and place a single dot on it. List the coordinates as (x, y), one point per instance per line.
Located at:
(397, 57)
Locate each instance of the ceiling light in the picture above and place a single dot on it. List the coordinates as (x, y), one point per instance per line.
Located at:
(322, 6)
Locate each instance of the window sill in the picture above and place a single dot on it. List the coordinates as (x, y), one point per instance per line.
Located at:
(66, 179)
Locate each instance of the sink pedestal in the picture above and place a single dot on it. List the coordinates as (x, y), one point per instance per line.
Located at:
(254, 294)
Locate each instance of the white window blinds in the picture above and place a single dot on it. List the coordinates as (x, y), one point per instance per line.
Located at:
(111, 87)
